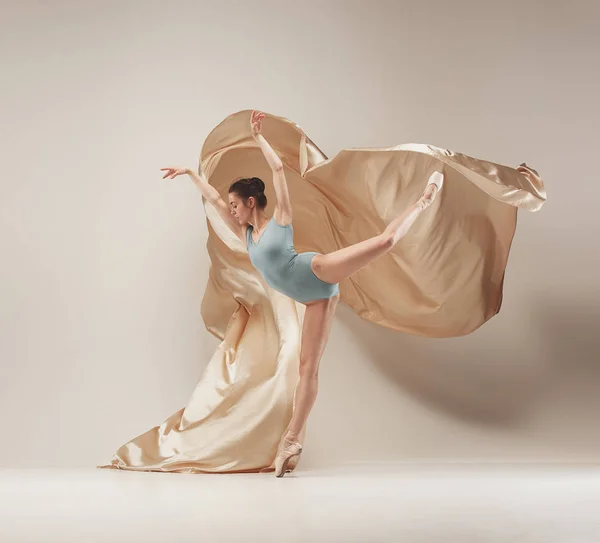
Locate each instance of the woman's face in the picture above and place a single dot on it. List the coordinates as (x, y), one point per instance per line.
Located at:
(240, 209)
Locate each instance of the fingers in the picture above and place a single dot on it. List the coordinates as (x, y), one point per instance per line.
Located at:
(171, 172)
(257, 116)
(256, 121)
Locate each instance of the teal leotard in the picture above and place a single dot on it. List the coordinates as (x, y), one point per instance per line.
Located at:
(283, 268)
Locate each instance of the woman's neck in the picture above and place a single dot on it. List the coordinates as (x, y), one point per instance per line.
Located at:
(259, 220)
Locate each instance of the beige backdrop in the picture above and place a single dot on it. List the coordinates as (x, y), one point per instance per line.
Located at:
(104, 263)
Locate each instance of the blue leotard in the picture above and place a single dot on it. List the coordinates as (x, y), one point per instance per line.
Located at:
(283, 268)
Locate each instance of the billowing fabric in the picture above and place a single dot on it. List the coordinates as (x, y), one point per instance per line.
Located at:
(443, 279)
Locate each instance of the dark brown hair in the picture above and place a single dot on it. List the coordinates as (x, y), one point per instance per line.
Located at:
(250, 186)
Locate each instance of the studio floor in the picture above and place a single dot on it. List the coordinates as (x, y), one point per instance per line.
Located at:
(412, 503)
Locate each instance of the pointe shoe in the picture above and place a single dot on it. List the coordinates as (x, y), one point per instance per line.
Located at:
(289, 450)
(436, 179)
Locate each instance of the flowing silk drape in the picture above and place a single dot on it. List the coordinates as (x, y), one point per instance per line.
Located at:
(443, 279)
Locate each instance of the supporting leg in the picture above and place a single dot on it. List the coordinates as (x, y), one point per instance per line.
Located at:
(318, 319)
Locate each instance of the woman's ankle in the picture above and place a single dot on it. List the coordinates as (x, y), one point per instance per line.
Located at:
(428, 195)
(291, 436)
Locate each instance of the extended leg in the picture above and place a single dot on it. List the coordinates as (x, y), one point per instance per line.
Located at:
(337, 265)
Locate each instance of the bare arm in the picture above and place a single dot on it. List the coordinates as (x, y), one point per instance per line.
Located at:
(211, 194)
(283, 206)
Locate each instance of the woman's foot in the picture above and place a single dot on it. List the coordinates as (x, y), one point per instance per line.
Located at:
(288, 449)
(434, 185)
(398, 228)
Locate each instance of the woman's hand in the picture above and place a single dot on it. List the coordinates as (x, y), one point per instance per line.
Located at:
(199, 179)
(174, 171)
(256, 120)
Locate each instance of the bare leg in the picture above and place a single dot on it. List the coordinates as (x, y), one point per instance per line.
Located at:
(337, 265)
(315, 333)
(318, 318)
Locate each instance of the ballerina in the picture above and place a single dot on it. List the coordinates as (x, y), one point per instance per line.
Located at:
(310, 278)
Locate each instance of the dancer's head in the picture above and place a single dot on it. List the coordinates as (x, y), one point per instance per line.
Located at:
(245, 196)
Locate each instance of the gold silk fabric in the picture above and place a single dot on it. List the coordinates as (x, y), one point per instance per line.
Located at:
(443, 279)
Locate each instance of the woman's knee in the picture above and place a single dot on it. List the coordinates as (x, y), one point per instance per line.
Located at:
(387, 239)
(309, 369)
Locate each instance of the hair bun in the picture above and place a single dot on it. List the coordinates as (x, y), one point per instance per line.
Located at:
(250, 187)
(258, 183)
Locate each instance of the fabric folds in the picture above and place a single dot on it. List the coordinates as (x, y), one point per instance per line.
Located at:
(444, 279)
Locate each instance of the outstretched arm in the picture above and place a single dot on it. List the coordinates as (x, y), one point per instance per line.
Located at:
(283, 206)
(211, 194)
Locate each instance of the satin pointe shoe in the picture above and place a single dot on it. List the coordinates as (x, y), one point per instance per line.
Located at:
(288, 450)
(437, 180)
